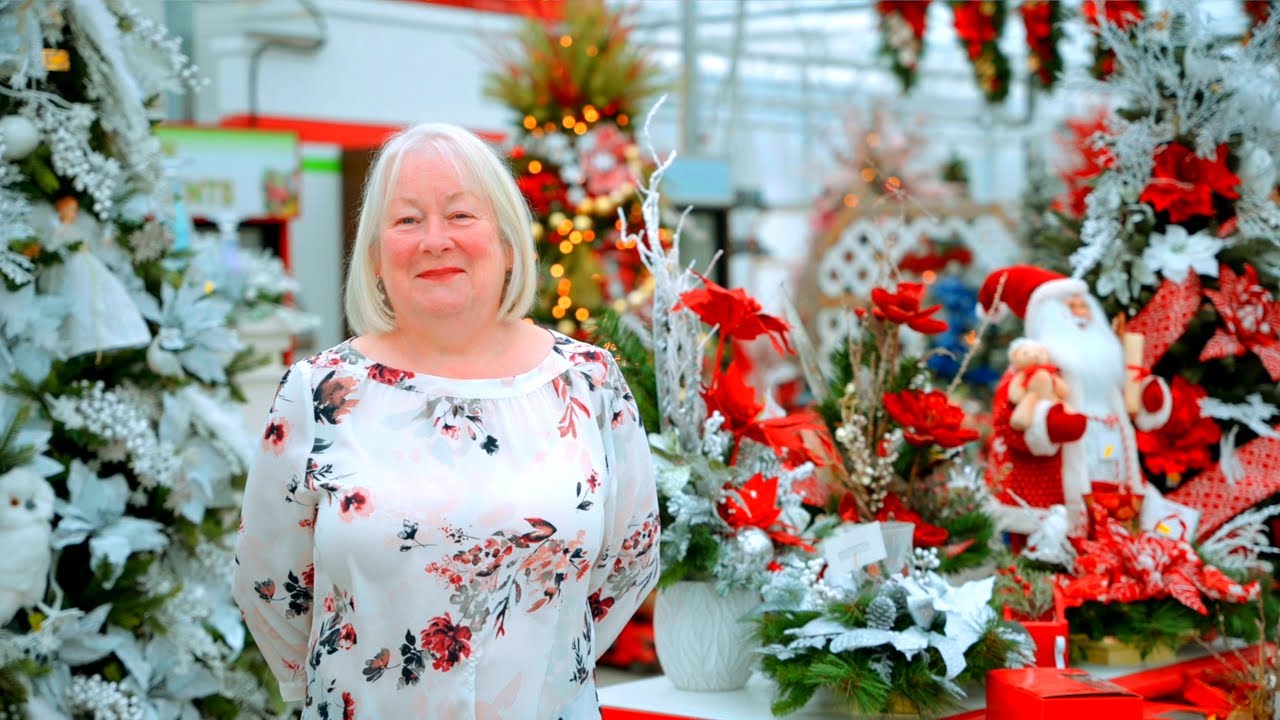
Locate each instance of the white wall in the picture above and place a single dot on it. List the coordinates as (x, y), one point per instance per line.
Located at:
(382, 62)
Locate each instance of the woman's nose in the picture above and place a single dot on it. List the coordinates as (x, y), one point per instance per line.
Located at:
(434, 235)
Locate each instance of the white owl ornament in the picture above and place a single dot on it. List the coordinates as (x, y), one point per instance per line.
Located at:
(26, 512)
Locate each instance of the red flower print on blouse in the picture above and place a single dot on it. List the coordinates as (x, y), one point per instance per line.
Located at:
(309, 576)
(356, 502)
(446, 643)
(388, 375)
(348, 707)
(347, 637)
(332, 398)
(599, 606)
(274, 436)
(330, 604)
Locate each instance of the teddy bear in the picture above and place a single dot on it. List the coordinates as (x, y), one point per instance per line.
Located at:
(1035, 378)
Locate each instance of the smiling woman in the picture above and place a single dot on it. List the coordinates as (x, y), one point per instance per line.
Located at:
(470, 494)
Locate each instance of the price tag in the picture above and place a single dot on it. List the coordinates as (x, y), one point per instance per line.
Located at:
(852, 548)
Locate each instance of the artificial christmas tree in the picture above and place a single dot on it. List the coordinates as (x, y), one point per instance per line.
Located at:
(575, 86)
(120, 442)
(1181, 235)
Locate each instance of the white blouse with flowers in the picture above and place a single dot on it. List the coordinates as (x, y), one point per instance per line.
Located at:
(421, 547)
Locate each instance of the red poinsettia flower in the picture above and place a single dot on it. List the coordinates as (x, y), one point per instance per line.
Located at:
(903, 306)
(1250, 319)
(1185, 441)
(755, 504)
(974, 25)
(913, 12)
(1092, 161)
(1121, 13)
(928, 418)
(737, 313)
(1183, 184)
(797, 438)
(924, 535)
(731, 396)
(1258, 10)
(544, 191)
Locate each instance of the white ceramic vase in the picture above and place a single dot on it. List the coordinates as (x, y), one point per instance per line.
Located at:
(703, 640)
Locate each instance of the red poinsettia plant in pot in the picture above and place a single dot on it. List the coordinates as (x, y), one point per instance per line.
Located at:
(902, 440)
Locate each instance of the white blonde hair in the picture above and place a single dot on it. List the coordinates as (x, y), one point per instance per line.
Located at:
(367, 308)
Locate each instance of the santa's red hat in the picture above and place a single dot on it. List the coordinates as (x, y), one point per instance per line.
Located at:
(1022, 287)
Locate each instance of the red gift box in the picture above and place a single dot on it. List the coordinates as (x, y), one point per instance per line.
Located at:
(1169, 711)
(1048, 634)
(1052, 694)
(1108, 500)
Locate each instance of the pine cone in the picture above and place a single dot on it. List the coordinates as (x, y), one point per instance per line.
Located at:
(881, 613)
(898, 595)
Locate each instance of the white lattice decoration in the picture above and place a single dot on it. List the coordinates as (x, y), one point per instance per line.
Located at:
(852, 265)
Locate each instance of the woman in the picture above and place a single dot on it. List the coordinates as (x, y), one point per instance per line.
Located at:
(453, 514)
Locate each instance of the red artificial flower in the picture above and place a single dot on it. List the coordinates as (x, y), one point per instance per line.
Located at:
(1118, 567)
(1121, 13)
(1093, 160)
(1258, 10)
(1250, 319)
(913, 12)
(928, 418)
(924, 534)
(1185, 441)
(543, 190)
(755, 504)
(737, 313)
(903, 306)
(731, 396)
(796, 438)
(1040, 18)
(974, 25)
(1184, 184)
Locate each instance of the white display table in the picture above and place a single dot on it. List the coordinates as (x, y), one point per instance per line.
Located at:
(656, 695)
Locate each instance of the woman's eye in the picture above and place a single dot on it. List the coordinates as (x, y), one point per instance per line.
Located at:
(462, 215)
(406, 220)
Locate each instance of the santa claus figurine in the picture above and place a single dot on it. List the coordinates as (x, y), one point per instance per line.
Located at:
(1090, 438)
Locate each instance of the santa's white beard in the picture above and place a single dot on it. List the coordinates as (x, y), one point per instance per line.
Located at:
(1090, 356)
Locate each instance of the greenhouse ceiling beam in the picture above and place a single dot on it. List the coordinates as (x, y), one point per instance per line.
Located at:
(775, 11)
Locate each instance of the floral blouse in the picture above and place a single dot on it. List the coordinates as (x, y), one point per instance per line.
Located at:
(414, 546)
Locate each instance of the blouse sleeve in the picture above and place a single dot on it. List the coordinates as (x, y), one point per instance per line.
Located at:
(628, 565)
(274, 574)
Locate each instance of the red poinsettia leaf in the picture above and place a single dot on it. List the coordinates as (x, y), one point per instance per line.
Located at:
(1269, 353)
(1184, 591)
(730, 394)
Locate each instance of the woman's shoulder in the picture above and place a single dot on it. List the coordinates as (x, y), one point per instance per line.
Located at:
(581, 352)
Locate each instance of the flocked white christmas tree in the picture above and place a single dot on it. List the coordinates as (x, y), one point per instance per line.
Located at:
(121, 444)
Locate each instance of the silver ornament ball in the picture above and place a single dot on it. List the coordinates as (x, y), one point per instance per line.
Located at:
(19, 135)
(755, 547)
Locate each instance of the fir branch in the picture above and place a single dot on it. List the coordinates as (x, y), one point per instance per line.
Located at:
(609, 330)
(976, 526)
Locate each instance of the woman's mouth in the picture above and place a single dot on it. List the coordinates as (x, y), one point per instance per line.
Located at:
(439, 273)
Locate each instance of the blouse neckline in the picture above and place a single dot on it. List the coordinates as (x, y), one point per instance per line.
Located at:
(552, 365)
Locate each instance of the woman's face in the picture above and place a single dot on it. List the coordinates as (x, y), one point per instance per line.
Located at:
(439, 252)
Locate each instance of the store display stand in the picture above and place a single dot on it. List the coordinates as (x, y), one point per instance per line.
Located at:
(656, 699)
